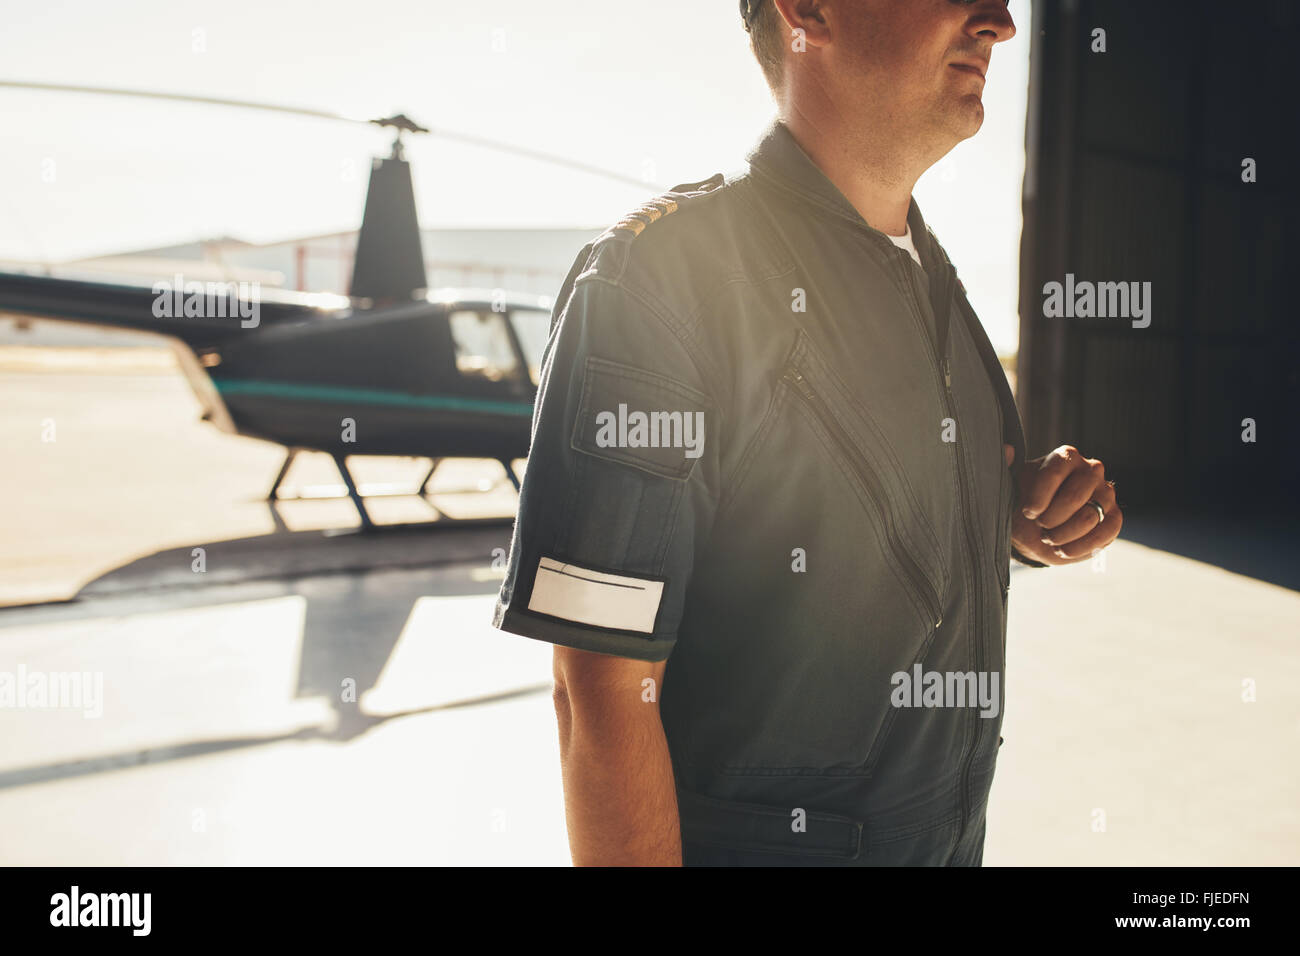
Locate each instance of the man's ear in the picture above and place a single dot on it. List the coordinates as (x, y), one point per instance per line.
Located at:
(808, 16)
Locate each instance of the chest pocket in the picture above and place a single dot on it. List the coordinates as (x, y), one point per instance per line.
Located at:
(867, 457)
(810, 658)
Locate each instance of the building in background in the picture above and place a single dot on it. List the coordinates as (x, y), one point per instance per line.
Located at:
(525, 261)
(531, 261)
(1137, 161)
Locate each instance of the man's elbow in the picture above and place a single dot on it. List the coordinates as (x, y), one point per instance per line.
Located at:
(602, 690)
(563, 707)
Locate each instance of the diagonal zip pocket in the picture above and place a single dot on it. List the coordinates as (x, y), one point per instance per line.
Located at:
(925, 595)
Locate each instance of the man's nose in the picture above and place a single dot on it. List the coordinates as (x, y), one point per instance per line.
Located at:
(991, 21)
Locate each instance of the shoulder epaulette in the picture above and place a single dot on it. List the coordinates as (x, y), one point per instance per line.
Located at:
(704, 185)
(646, 213)
(661, 206)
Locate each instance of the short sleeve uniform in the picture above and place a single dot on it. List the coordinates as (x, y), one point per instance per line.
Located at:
(621, 483)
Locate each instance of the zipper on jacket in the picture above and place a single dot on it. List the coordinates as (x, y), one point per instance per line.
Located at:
(920, 583)
(944, 380)
(944, 368)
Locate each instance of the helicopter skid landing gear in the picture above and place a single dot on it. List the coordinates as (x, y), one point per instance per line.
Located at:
(428, 477)
(340, 461)
(273, 494)
(510, 473)
(353, 492)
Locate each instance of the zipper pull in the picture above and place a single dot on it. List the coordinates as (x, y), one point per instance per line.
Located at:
(947, 373)
(795, 378)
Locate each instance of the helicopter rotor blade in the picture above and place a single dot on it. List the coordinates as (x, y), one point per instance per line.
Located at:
(182, 98)
(466, 138)
(540, 156)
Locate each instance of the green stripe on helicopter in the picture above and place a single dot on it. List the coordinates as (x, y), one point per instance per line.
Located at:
(334, 393)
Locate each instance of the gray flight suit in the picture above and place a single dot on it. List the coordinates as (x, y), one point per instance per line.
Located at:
(843, 524)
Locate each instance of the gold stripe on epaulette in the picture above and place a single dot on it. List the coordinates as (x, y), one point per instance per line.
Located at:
(646, 213)
(649, 212)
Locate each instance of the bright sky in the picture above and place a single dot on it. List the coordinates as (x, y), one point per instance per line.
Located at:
(667, 88)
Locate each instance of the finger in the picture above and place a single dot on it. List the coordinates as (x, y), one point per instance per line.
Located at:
(1074, 493)
(1096, 539)
(1056, 466)
(1009, 453)
(1105, 496)
(1076, 526)
(1084, 519)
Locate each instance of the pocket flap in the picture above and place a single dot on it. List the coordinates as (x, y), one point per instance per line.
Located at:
(641, 418)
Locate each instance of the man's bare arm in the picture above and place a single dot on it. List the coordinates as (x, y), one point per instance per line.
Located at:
(619, 795)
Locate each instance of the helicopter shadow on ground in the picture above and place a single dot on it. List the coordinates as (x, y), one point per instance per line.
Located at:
(358, 592)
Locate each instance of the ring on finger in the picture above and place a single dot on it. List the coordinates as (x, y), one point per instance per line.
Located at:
(1101, 512)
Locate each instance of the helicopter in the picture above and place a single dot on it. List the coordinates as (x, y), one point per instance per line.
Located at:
(392, 368)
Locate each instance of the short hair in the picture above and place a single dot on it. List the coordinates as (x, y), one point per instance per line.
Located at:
(767, 38)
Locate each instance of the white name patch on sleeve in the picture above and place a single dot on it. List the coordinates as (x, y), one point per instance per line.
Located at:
(595, 597)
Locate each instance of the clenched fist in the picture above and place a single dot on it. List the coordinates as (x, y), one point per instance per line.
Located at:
(1069, 508)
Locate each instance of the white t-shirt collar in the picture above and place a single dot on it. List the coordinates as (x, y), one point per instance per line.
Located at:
(905, 242)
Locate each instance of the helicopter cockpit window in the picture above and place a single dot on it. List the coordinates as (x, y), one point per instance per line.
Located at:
(483, 347)
(533, 327)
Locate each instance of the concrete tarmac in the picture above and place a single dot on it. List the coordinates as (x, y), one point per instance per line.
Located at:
(339, 699)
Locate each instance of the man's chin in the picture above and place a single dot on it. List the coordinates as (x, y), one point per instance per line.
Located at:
(967, 116)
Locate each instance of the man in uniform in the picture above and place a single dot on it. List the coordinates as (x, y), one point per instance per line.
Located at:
(771, 488)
